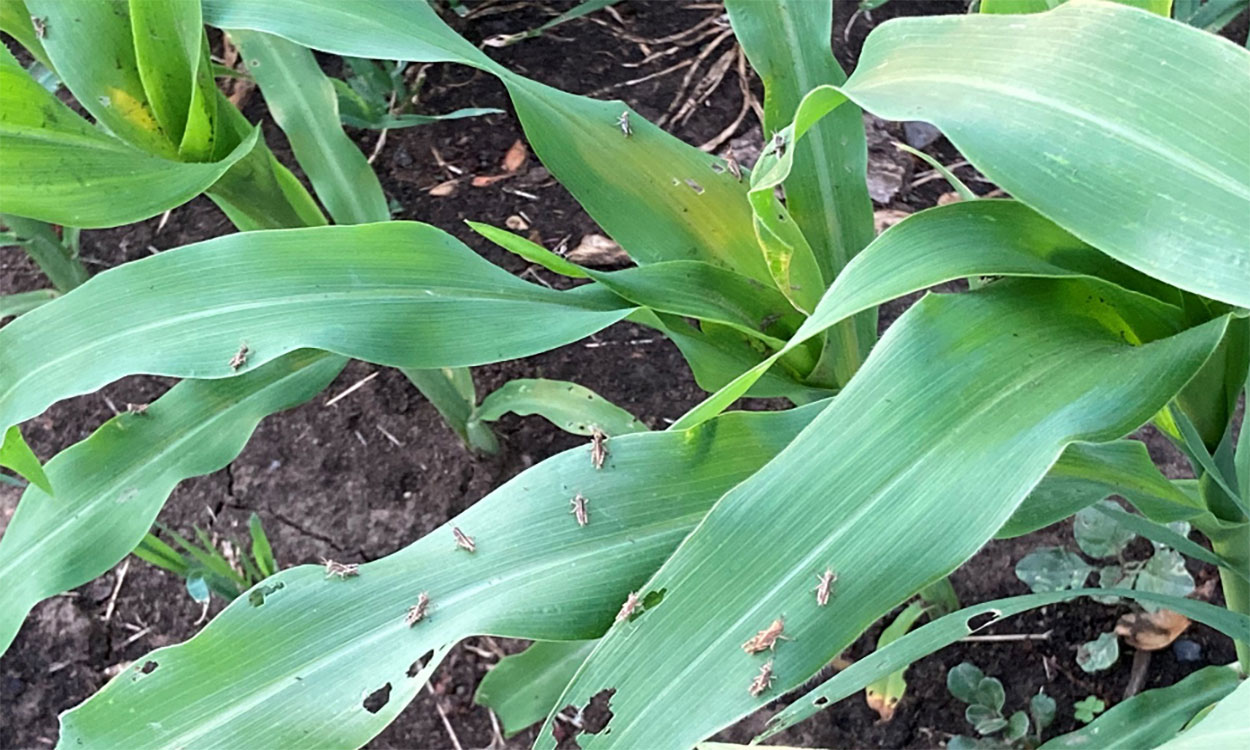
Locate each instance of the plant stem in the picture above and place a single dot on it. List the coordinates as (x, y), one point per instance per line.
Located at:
(1233, 543)
(54, 258)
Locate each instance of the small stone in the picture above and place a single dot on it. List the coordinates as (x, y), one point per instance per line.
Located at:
(1187, 650)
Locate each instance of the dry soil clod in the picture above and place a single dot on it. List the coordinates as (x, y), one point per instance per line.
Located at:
(416, 613)
(825, 588)
(598, 447)
(579, 510)
(627, 609)
(623, 121)
(463, 540)
(240, 357)
(763, 680)
(342, 570)
(766, 638)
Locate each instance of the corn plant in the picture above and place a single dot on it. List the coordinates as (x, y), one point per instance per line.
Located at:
(685, 577)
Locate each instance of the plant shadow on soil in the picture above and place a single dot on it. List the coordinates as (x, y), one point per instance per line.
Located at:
(328, 481)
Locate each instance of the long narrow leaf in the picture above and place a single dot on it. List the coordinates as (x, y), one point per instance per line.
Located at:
(291, 662)
(17, 455)
(111, 486)
(946, 630)
(880, 468)
(523, 688)
(400, 294)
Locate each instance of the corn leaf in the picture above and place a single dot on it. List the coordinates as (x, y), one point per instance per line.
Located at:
(56, 167)
(946, 630)
(694, 211)
(399, 293)
(1088, 472)
(880, 468)
(302, 102)
(23, 302)
(1223, 726)
(1145, 161)
(290, 662)
(1148, 719)
(985, 237)
(171, 56)
(523, 688)
(571, 407)
(111, 486)
(17, 455)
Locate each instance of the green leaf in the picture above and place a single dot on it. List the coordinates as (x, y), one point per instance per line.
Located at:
(18, 22)
(1100, 534)
(569, 406)
(1224, 726)
(452, 392)
(984, 719)
(984, 237)
(962, 681)
(1052, 569)
(23, 302)
(1017, 726)
(56, 257)
(1165, 535)
(1165, 573)
(1042, 709)
(1088, 472)
(1149, 718)
(111, 485)
(262, 552)
(17, 455)
(1087, 708)
(523, 688)
(884, 694)
(1080, 148)
(399, 293)
(816, 505)
(577, 11)
(395, 122)
(536, 574)
(171, 56)
(949, 629)
(1098, 654)
(615, 177)
(826, 193)
(529, 250)
(56, 167)
(1159, 7)
(197, 587)
(302, 102)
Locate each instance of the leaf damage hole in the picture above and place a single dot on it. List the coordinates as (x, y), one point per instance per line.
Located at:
(415, 668)
(257, 597)
(148, 667)
(592, 718)
(377, 699)
(653, 598)
(821, 701)
(983, 620)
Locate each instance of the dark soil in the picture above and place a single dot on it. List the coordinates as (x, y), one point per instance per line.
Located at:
(328, 482)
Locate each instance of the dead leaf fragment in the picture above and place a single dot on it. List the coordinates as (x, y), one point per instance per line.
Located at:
(884, 705)
(516, 223)
(516, 156)
(485, 180)
(884, 218)
(595, 250)
(1151, 631)
(443, 189)
(946, 198)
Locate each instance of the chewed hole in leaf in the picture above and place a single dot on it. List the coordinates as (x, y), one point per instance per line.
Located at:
(983, 620)
(377, 699)
(415, 668)
(598, 712)
(257, 597)
(148, 667)
(821, 701)
(653, 598)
